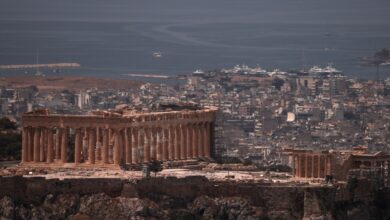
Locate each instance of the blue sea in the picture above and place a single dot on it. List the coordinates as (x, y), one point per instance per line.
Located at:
(113, 38)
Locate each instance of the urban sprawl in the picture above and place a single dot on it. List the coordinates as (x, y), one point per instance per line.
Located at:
(260, 113)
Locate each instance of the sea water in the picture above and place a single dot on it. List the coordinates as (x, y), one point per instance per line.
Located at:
(113, 38)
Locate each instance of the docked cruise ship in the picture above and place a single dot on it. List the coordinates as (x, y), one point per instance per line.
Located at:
(315, 70)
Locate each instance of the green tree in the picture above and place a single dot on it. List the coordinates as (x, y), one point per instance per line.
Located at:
(10, 140)
(383, 55)
(277, 83)
(380, 57)
(6, 124)
(155, 166)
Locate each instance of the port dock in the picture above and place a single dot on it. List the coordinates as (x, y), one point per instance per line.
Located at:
(34, 66)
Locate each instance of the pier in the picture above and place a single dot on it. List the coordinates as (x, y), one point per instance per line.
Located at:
(33, 66)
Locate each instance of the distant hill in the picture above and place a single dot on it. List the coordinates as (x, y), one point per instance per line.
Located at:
(381, 57)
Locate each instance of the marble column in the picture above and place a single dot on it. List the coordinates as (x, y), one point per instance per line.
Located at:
(64, 145)
(42, 145)
(176, 143)
(160, 144)
(78, 145)
(296, 166)
(201, 139)
(30, 146)
(312, 166)
(116, 147)
(293, 165)
(85, 147)
(165, 133)
(153, 143)
(123, 147)
(37, 133)
(327, 165)
(299, 166)
(183, 149)
(171, 148)
(105, 147)
(110, 145)
(147, 145)
(134, 143)
(141, 143)
(306, 166)
(110, 136)
(195, 140)
(98, 151)
(91, 145)
(24, 145)
(58, 143)
(319, 166)
(128, 145)
(206, 136)
(50, 146)
(189, 141)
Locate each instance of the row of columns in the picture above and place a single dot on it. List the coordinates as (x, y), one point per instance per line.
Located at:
(131, 145)
(375, 165)
(44, 145)
(311, 165)
(371, 163)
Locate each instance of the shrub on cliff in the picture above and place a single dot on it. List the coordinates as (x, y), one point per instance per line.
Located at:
(10, 146)
(155, 166)
(10, 140)
(6, 124)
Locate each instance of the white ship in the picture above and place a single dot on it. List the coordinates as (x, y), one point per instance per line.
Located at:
(39, 73)
(245, 69)
(157, 54)
(327, 70)
(198, 71)
(276, 72)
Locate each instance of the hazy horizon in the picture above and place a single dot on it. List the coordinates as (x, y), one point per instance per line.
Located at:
(114, 38)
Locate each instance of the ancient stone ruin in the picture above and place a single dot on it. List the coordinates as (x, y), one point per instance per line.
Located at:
(109, 139)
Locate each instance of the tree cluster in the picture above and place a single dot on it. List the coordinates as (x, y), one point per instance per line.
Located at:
(10, 140)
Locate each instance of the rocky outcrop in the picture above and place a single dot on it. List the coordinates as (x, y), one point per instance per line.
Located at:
(187, 198)
(225, 208)
(7, 208)
(101, 206)
(318, 205)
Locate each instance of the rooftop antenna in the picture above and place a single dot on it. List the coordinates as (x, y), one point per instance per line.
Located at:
(37, 60)
(38, 73)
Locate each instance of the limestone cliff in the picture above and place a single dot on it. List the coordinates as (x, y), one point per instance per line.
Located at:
(187, 198)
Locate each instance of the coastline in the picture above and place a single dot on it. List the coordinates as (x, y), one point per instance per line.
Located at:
(66, 82)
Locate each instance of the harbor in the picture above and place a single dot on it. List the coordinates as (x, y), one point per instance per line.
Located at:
(33, 66)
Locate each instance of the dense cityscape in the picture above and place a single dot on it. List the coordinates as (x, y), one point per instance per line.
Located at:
(260, 112)
(138, 110)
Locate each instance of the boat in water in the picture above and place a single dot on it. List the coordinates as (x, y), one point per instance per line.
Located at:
(157, 54)
(198, 71)
(39, 73)
(327, 70)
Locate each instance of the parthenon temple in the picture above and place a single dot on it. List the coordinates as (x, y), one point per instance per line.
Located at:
(112, 140)
(339, 164)
(310, 164)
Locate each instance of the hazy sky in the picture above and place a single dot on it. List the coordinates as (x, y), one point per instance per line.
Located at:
(120, 36)
(327, 11)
